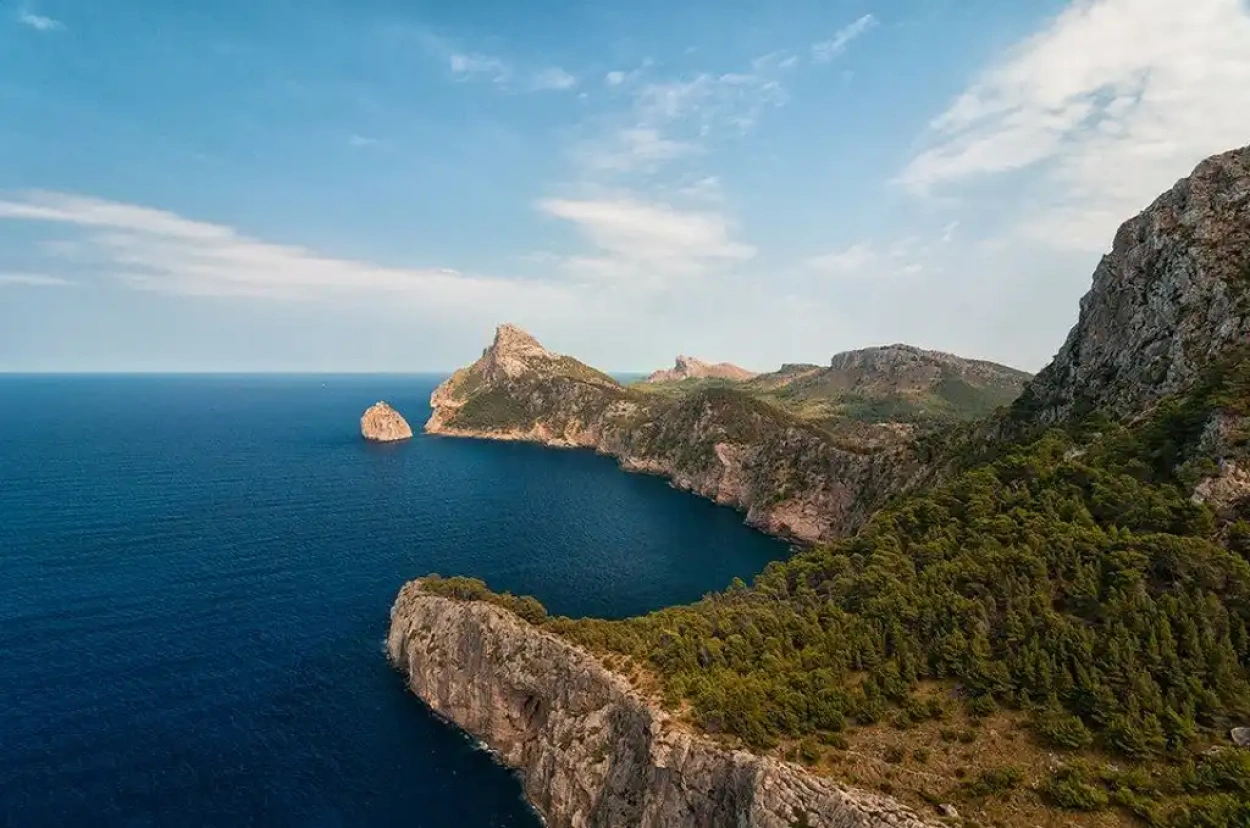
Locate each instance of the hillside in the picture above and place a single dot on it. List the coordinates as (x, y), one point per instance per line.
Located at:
(789, 477)
(688, 368)
(873, 392)
(1058, 635)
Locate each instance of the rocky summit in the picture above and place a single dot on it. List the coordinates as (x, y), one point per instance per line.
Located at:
(382, 424)
(1171, 297)
(689, 368)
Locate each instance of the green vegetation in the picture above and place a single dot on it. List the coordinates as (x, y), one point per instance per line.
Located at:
(474, 589)
(1071, 578)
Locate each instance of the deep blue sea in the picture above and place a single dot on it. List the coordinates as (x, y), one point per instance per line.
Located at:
(195, 579)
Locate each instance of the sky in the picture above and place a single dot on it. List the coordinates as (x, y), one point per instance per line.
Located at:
(373, 185)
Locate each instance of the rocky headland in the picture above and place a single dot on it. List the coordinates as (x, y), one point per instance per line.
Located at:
(382, 424)
(1160, 349)
(791, 478)
(590, 751)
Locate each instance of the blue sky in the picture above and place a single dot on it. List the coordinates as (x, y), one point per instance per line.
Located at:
(324, 185)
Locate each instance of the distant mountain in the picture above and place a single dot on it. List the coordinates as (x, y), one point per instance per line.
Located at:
(689, 368)
(893, 383)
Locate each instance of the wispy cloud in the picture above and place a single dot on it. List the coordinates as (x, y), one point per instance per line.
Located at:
(552, 78)
(472, 66)
(39, 22)
(853, 260)
(363, 141)
(827, 50)
(1111, 102)
(647, 241)
(33, 280)
(156, 250)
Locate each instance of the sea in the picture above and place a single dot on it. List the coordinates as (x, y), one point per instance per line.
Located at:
(196, 574)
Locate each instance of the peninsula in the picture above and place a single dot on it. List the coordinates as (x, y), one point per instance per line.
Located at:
(1043, 622)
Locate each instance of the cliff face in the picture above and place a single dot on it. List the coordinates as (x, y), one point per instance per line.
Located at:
(687, 368)
(790, 478)
(592, 754)
(1169, 299)
(383, 424)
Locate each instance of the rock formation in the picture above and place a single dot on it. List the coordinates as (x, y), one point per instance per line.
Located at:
(1168, 300)
(591, 752)
(791, 478)
(382, 424)
(688, 368)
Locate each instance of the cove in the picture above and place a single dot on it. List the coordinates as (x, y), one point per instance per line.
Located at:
(195, 578)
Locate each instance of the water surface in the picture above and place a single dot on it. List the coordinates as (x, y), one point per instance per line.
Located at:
(195, 578)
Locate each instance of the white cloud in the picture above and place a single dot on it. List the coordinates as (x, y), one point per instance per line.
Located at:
(634, 148)
(33, 280)
(615, 78)
(852, 260)
(1110, 103)
(643, 239)
(552, 78)
(468, 66)
(38, 22)
(827, 50)
(155, 250)
(362, 141)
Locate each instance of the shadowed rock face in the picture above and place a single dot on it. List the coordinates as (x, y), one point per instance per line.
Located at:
(790, 478)
(1169, 299)
(592, 754)
(383, 424)
(686, 368)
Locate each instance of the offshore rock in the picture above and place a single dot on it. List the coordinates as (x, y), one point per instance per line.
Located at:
(383, 424)
(591, 752)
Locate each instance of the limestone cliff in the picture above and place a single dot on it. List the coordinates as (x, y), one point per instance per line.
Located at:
(1170, 298)
(792, 479)
(382, 424)
(688, 368)
(591, 752)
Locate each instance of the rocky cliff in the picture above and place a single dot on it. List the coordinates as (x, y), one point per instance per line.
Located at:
(688, 368)
(791, 478)
(1170, 298)
(382, 424)
(591, 752)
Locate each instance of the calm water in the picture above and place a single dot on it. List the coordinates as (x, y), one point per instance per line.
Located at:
(195, 578)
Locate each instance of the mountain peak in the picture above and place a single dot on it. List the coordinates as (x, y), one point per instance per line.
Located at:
(1171, 297)
(688, 367)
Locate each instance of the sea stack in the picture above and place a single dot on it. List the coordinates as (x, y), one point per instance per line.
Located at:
(383, 424)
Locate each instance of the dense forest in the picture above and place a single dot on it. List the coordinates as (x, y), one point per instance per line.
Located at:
(1066, 576)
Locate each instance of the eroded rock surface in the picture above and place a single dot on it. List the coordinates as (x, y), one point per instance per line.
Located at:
(591, 752)
(383, 424)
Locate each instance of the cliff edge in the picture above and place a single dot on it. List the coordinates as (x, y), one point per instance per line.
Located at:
(791, 478)
(591, 752)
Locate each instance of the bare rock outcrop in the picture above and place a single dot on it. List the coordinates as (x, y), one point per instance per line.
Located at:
(688, 368)
(382, 424)
(590, 751)
(1168, 300)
